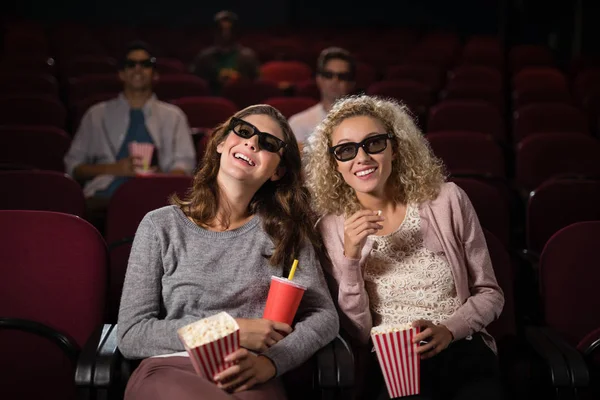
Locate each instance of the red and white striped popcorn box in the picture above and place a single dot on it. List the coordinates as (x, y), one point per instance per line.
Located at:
(144, 152)
(397, 355)
(208, 341)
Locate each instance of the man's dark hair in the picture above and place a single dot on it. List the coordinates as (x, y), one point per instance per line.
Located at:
(133, 46)
(336, 53)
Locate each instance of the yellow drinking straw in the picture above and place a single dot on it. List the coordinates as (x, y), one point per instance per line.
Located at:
(293, 270)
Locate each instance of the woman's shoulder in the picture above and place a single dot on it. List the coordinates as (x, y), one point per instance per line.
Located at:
(164, 217)
(450, 190)
(450, 194)
(330, 226)
(329, 221)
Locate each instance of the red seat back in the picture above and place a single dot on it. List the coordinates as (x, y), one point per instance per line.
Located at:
(206, 112)
(476, 74)
(490, 205)
(548, 117)
(469, 91)
(41, 190)
(289, 106)
(54, 272)
(28, 83)
(175, 86)
(547, 155)
(466, 115)
(87, 86)
(427, 74)
(42, 147)
(416, 96)
(526, 55)
(246, 93)
(468, 153)
(128, 206)
(89, 64)
(558, 203)
(569, 278)
(285, 71)
(32, 110)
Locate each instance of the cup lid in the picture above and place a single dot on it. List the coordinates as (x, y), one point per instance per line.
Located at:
(287, 281)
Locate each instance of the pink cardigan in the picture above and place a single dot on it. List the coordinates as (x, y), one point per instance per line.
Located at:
(448, 224)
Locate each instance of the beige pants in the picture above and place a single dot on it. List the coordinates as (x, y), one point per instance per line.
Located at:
(168, 378)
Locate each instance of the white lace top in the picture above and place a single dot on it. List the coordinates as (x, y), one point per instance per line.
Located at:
(405, 281)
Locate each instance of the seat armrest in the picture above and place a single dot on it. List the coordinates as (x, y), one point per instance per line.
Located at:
(335, 365)
(528, 257)
(326, 372)
(101, 363)
(545, 349)
(66, 344)
(84, 370)
(590, 344)
(578, 369)
(345, 363)
(108, 358)
(120, 242)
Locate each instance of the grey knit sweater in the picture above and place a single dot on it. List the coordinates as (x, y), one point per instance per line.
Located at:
(179, 273)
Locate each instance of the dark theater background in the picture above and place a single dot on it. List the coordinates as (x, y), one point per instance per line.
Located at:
(506, 92)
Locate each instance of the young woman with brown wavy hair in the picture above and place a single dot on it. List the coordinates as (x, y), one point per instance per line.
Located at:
(406, 247)
(245, 218)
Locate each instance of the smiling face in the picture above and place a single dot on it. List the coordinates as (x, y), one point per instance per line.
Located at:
(137, 77)
(243, 159)
(366, 173)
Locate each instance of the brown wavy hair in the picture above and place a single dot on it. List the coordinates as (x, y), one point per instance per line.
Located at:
(417, 175)
(283, 205)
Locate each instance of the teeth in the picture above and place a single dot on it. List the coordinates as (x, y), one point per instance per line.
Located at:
(243, 157)
(365, 172)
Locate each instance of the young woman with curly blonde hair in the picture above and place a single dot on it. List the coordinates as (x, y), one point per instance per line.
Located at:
(406, 246)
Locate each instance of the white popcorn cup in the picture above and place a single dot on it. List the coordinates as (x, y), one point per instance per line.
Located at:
(207, 359)
(399, 361)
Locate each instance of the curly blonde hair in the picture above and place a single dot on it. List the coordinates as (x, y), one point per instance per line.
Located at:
(417, 174)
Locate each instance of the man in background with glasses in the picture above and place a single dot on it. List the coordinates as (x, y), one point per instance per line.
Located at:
(99, 154)
(336, 69)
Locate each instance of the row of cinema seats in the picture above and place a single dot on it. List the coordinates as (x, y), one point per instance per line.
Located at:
(550, 207)
(465, 83)
(467, 135)
(425, 68)
(564, 279)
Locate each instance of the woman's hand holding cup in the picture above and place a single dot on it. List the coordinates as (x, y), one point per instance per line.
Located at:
(259, 334)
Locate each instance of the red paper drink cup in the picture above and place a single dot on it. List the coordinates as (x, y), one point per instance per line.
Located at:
(208, 341)
(283, 300)
(398, 358)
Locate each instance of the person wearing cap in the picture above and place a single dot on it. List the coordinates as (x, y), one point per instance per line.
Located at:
(226, 60)
(99, 153)
(336, 69)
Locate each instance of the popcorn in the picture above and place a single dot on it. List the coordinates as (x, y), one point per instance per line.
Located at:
(390, 328)
(208, 341)
(398, 358)
(207, 330)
